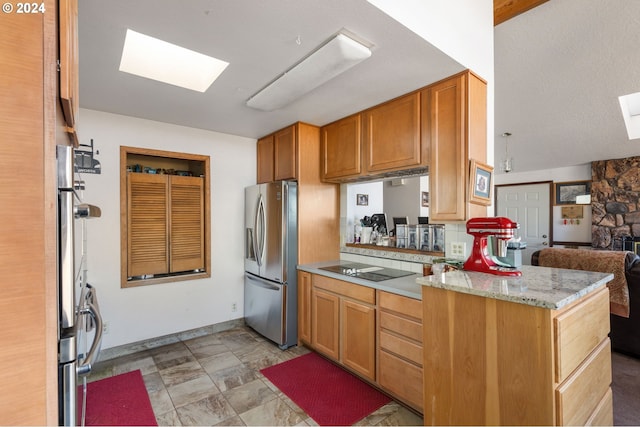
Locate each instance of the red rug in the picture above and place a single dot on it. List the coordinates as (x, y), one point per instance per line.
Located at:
(329, 394)
(119, 401)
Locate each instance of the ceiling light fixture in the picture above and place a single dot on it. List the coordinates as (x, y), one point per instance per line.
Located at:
(146, 56)
(323, 64)
(506, 165)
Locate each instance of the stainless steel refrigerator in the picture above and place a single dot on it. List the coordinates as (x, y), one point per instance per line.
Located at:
(271, 256)
(78, 314)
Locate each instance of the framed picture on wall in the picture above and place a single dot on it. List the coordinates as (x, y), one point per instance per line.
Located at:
(362, 199)
(480, 178)
(567, 192)
(424, 200)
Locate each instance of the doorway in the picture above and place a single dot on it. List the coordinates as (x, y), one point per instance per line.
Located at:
(530, 206)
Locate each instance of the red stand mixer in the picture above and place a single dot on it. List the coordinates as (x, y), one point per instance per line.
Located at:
(497, 231)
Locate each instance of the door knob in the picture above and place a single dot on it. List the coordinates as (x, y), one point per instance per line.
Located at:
(544, 236)
(545, 243)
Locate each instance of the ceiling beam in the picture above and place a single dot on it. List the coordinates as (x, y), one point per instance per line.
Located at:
(506, 9)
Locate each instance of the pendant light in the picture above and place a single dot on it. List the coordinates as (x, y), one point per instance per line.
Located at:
(507, 164)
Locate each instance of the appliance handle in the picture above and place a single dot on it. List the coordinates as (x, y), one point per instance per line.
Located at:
(263, 284)
(85, 367)
(65, 259)
(259, 235)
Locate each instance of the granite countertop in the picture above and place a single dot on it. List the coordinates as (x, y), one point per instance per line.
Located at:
(405, 286)
(545, 287)
(551, 288)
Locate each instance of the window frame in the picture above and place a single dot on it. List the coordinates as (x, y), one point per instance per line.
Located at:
(203, 163)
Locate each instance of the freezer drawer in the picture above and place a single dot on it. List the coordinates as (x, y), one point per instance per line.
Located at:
(264, 307)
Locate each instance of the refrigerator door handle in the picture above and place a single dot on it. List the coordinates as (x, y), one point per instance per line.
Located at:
(85, 367)
(66, 272)
(259, 227)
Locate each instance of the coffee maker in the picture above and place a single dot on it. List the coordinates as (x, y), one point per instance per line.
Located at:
(490, 237)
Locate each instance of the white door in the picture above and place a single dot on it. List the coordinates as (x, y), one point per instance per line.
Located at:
(529, 205)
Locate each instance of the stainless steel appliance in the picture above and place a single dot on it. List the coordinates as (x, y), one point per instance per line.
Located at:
(271, 255)
(76, 315)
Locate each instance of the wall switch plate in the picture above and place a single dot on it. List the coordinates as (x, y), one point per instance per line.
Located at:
(234, 307)
(105, 327)
(458, 249)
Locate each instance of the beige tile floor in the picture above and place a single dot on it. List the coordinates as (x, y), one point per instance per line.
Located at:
(215, 380)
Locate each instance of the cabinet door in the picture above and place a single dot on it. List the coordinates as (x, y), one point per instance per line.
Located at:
(448, 172)
(265, 159)
(341, 148)
(325, 328)
(147, 220)
(186, 236)
(69, 82)
(304, 307)
(358, 337)
(392, 135)
(285, 154)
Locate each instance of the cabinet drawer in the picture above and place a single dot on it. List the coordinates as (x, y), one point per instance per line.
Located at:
(401, 347)
(400, 325)
(578, 331)
(603, 415)
(578, 397)
(401, 378)
(400, 304)
(357, 292)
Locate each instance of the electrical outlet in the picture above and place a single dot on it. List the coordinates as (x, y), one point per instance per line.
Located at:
(458, 249)
(105, 327)
(234, 307)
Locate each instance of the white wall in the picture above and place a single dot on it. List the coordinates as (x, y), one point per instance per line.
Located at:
(144, 312)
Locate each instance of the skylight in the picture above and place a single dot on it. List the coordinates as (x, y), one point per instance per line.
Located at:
(630, 106)
(155, 59)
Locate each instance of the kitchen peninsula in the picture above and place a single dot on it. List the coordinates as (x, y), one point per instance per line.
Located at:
(468, 348)
(517, 351)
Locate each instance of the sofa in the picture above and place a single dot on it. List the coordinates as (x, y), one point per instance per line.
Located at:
(625, 318)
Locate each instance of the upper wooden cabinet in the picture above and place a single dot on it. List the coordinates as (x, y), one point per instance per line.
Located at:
(285, 165)
(455, 123)
(279, 154)
(391, 135)
(265, 159)
(340, 149)
(69, 82)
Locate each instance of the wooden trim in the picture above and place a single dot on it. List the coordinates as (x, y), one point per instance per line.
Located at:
(503, 10)
(202, 164)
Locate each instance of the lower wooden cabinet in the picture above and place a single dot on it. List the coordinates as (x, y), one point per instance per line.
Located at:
(540, 366)
(400, 347)
(343, 323)
(375, 334)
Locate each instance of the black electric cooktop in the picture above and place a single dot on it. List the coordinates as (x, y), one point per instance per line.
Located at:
(366, 272)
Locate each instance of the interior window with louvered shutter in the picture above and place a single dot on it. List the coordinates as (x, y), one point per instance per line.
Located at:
(186, 223)
(147, 224)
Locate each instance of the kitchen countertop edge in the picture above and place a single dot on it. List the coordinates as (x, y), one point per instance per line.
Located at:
(538, 286)
(405, 286)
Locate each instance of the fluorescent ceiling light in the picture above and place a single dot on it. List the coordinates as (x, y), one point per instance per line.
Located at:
(322, 65)
(155, 59)
(630, 106)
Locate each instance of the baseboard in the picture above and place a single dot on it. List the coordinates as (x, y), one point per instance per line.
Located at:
(125, 349)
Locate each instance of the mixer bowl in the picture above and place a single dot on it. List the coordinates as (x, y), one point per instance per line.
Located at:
(498, 246)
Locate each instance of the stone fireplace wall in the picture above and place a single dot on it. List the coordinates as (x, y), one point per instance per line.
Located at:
(615, 207)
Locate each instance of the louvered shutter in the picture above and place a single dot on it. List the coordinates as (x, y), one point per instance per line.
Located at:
(147, 224)
(186, 223)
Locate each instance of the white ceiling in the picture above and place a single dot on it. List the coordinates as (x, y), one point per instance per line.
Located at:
(258, 39)
(559, 68)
